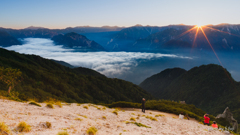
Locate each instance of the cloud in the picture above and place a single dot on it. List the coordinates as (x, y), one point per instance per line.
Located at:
(108, 63)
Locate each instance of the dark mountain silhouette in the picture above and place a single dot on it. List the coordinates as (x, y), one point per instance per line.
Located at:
(77, 41)
(209, 87)
(44, 79)
(8, 40)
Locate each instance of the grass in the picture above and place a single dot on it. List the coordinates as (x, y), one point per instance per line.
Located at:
(82, 115)
(141, 125)
(104, 108)
(150, 113)
(78, 104)
(159, 115)
(98, 108)
(49, 105)
(151, 118)
(104, 117)
(23, 127)
(79, 119)
(133, 113)
(63, 133)
(48, 124)
(115, 112)
(132, 119)
(92, 131)
(138, 124)
(35, 103)
(86, 107)
(59, 104)
(4, 128)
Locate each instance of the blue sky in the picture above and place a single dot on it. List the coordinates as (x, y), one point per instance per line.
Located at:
(71, 13)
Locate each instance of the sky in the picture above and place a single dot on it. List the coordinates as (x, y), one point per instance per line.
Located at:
(71, 13)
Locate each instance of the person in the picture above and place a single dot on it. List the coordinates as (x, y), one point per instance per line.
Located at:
(181, 115)
(187, 116)
(206, 119)
(143, 105)
(214, 125)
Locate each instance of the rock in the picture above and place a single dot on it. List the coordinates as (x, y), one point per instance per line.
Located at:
(182, 102)
(229, 117)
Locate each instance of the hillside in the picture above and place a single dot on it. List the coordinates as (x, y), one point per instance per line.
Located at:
(7, 40)
(76, 41)
(209, 87)
(76, 119)
(44, 79)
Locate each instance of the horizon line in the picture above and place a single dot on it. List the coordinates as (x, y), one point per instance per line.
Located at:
(86, 26)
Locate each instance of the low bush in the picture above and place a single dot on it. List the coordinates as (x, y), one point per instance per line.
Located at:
(132, 119)
(63, 133)
(59, 104)
(92, 131)
(49, 105)
(86, 107)
(79, 119)
(115, 112)
(23, 127)
(48, 124)
(35, 103)
(4, 128)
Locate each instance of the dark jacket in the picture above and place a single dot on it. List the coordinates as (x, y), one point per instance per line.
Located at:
(143, 103)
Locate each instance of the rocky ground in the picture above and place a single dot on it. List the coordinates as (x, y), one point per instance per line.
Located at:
(76, 119)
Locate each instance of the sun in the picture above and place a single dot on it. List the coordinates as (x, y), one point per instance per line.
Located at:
(199, 26)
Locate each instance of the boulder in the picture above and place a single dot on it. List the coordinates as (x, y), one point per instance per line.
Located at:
(229, 117)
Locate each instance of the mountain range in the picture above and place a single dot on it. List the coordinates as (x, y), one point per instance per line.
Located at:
(223, 37)
(209, 87)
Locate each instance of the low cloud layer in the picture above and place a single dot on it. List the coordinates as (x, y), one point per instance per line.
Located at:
(108, 63)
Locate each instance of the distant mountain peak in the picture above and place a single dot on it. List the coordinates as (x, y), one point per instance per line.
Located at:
(34, 28)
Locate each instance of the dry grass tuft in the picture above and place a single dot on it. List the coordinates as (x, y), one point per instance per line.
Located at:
(63, 133)
(4, 128)
(79, 119)
(132, 119)
(35, 103)
(115, 112)
(49, 105)
(48, 124)
(23, 127)
(92, 131)
(104, 117)
(58, 103)
(86, 107)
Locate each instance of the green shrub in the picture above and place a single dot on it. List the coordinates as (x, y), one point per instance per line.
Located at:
(92, 131)
(49, 105)
(4, 128)
(34, 103)
(23, 127)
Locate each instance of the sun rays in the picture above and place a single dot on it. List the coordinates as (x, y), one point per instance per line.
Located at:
(199, 28)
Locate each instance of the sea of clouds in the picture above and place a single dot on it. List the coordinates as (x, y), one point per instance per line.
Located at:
(107, 63)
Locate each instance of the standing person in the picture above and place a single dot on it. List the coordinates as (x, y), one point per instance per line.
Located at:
(206, 119)
(143, 105)
(187, 116)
